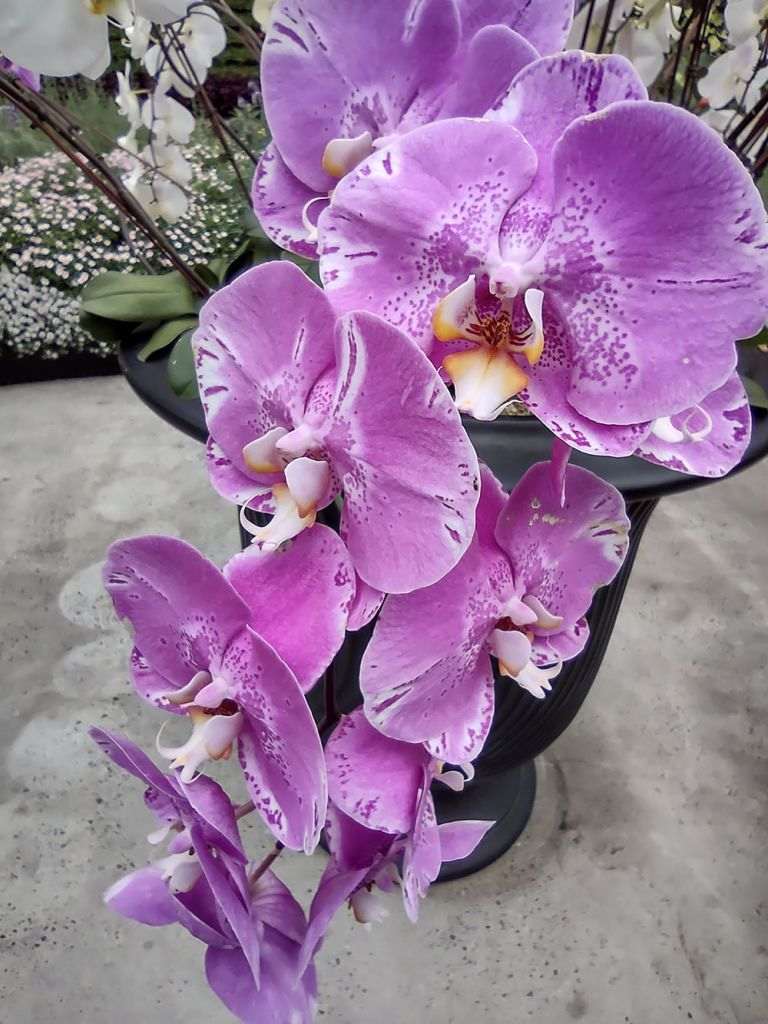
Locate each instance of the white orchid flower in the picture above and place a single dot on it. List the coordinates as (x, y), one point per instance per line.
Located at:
(644, 39)
(71, 37)
(743, 19)
(199, 38)
(127, 99)
(732, 77)
(167, 119)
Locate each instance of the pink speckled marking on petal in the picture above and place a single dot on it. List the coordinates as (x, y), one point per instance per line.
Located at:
(279, 199)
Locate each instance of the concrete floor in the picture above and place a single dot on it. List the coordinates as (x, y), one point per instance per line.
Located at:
(638, 895)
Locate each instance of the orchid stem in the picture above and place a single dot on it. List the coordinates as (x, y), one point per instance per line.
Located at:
(242, 809)
(268, 861)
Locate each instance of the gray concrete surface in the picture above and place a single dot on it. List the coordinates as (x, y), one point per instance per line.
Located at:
(638, 894)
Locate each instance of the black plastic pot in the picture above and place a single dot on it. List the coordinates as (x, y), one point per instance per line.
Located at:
(523, 727)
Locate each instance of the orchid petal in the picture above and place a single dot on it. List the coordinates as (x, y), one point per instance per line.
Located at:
(713, 452)
(425, 674)
(281, 201)
(182, 610)
(373, 779)
(653, 333)
(421, 861)
(458, 839)
(143, 896)
(562, 553)
(298, 598)
(279, 748)
(398, 447)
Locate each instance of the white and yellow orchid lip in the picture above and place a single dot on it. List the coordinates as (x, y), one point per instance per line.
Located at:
(341, 155)
(285, 524)
(212, 738)
(367, 907)
(180, 870)
(485, 380)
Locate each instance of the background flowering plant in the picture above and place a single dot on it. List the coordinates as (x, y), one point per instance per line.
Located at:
(495, 224)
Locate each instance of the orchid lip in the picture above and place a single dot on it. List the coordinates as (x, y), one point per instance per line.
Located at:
(212, 738)
(341, 155)
(286, 523)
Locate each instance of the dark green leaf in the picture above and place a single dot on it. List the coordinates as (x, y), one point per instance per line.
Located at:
(137, 297)
(181, 368)
(165, 334)
(101, 329)
(755, 393)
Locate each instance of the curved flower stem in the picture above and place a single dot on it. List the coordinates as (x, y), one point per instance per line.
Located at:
(67, 137)
(268, 861)
(243, 809)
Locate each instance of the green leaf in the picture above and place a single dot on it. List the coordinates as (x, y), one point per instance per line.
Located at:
(181, 368)
(136, 297)
(755, 393)
(165, 334)
(101, 329)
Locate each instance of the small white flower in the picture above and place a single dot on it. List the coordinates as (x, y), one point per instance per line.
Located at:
(199, 38)
(167, 119)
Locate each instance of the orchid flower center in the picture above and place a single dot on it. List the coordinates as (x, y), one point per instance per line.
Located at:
(180, 870)
(511, 643)
(306, 477)
(487, 376)
(341, 155)
(367, 907)
(216, 724)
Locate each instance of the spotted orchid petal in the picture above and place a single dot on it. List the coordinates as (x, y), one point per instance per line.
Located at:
(373, 779)
(182, 611)
(263, 343)
(408, 227)
(425, 674)
(287, 209)
(561, 553)
(398, 445)
(652, 334)
(298, 598)
(279, 748)
(328, 55)
(422, 857)
(708, 439)
(543, 99)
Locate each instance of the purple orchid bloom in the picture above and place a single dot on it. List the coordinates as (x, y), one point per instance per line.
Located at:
(253, 927)
(520, 593)
(217, 647)
(29, 78)
(591, 253)
(383, 815)
(302, 406)
(341, 79)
